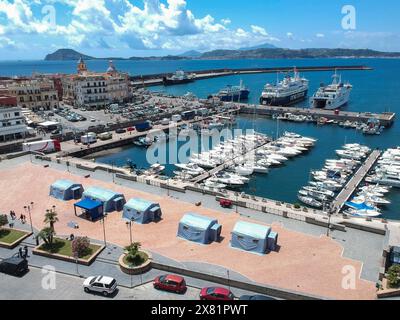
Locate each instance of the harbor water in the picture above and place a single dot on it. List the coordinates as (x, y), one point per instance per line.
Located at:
(374, 91)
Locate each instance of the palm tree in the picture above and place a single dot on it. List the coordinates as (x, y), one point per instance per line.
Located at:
(51, 218)
(132, 252)
(47, 235)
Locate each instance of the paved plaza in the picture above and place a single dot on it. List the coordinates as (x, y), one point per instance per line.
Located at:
(305, 263)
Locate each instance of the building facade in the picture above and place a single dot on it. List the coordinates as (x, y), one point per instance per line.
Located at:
(12, 122)
(36, 94)
(95, 90)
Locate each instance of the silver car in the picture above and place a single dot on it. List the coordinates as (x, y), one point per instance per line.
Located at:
(100, 284)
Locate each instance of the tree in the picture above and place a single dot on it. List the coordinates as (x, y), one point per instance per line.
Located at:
(132, 253)
(3, 220)
(80, 246)
(394, 276)
(47, 235)
(51, 218)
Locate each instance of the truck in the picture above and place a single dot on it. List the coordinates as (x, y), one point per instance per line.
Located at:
(89, 138)
(43, 146)
(188, 115)
(144, 126)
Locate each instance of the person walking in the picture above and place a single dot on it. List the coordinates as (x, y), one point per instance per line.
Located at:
(25, 252)
(20, 253)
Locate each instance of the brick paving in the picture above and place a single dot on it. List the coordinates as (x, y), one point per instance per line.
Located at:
(304, 263)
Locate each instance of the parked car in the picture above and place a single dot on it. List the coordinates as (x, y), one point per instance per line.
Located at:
(92, 120)
(216, 293)
(14, 266)
(130, 129)
(120, 131)
(255, 298)
(226, 203)
(171, 283)
(100, 284)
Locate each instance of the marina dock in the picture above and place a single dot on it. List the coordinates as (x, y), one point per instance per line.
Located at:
(355, 181)
(225, 165)
(157, 79)
(386, 118)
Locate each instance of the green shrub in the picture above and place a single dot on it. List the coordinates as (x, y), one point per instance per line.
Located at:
(394, 276)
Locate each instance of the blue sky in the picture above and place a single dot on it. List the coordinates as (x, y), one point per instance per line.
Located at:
(32, 28)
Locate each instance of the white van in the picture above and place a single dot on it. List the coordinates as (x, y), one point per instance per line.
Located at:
(89, 138)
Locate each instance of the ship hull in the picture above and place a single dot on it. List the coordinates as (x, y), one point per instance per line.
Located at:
(244, 95)
(284, 101)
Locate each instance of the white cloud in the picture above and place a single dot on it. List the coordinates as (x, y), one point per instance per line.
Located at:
(155, 25)
(290, 35)
(320, 35)
(259, 30)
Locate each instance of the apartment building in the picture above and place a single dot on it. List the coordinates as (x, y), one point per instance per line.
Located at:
(12, 122)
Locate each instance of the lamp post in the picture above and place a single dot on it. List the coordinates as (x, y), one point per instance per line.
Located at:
(104, 230)
(28, 209)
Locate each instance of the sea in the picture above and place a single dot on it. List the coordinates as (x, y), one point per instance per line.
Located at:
(377, 90)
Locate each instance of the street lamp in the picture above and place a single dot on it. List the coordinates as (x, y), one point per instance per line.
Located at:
(103, 222)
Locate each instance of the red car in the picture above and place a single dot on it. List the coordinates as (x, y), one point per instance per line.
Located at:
(225, 203)
(130, 129)
(170, 283)
(220, 294)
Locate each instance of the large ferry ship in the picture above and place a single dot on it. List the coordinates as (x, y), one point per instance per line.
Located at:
(286, 92)
(234, 93)
(180, 77)
(332, 96)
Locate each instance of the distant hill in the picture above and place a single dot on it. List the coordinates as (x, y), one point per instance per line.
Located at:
(66, 54)
(191, 54)
(278, 53)
(261, 46)
(260, 53)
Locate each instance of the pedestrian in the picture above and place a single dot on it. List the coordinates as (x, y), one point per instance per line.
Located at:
(20, 253)
(25, 252)
(21, 218)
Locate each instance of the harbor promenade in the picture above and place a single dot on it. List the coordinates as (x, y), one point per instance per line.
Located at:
(386, 118)
(355, 181)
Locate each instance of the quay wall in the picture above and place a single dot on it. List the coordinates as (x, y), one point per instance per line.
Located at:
(156, 79)
(386, 119)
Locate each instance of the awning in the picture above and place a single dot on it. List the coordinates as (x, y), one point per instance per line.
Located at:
(88, 204)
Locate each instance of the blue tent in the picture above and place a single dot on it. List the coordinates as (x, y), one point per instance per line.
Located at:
(142, 211)
(253, 237)
(200, 229)
(66, 190)
(112, 201)
(94, 209)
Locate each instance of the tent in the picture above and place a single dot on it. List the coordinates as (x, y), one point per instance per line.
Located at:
(200, 229)
(66, 190)
(253, 237)
(112, 201)
(141, 211)
(92, 209)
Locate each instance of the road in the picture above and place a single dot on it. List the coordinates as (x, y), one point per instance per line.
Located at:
(68, 287)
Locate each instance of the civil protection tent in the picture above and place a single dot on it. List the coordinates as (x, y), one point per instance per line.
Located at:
(200, 229)
(142, 211)
(93, 209)
(112, 201)
(66, 190)
(253, 237)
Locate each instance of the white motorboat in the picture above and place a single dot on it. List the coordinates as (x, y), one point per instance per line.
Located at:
(316, 196)
(191, 168)
(310, 202)
(214, 185)
(325, 192)
(328, 186)
(371, 198)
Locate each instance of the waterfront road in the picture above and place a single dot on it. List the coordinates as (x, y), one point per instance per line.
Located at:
(67, 287)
